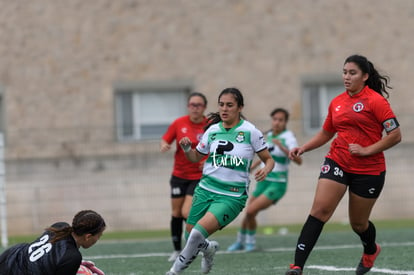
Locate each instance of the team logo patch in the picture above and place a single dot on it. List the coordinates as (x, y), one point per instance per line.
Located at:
(325, 168)
(184, 130)
(358, 107)
(390, 124)
(240, 137)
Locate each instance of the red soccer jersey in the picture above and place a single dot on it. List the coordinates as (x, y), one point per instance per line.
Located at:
(184, 127)
(357, 119)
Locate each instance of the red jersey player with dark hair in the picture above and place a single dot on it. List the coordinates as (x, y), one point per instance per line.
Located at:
(186, 174)
(355, 162)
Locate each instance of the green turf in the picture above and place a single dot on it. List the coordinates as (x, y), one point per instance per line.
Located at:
(340, 249)
(128, 253)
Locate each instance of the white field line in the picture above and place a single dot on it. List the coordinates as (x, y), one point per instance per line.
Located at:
(331, 247)
(377, 270)
(278, 249)
(282, 249)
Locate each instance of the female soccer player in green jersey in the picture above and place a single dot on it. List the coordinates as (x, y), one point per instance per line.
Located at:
(269, 191)
(231, 144)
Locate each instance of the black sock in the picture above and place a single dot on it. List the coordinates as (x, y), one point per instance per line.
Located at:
(368, 239)
(307, 240)
(176, 226)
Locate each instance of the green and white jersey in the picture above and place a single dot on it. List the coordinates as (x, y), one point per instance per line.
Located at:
(226, 170)
(288, 139)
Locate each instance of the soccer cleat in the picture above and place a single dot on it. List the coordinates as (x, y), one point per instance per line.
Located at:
(208, 257)
(235, 247)
(250, 247)
(174, 256)
(294, 270)
(367, 262)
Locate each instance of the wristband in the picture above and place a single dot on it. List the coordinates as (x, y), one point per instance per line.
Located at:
(186, 148)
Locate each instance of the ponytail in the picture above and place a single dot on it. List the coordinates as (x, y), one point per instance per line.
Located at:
(84, 222)
(375, 81)
(212, 118)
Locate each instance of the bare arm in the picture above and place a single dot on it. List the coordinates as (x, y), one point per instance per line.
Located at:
(391, 139)
(191, 154)
(297, 159)
(317, 141)
(267, 159)
(164, 146)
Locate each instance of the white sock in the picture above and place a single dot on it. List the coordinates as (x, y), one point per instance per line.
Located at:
(251, 238)
(195, 243)
(241, 237)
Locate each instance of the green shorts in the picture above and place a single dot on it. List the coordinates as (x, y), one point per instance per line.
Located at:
(224, 208)
(273, 190)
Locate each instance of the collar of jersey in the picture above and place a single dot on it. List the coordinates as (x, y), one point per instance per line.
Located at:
(232, 129)
(360, 93)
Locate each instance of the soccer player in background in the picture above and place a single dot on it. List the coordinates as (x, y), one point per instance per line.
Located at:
(269, 191)
(56, 251)
(355, 161)
(185, 174)
(230, 142)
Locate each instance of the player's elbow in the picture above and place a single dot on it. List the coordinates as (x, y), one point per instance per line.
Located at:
(397, 137)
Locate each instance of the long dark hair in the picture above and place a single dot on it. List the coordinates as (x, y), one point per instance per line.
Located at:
(375, 81)
(279, 110)
(214, 117)
(84, 222)
(198, 94)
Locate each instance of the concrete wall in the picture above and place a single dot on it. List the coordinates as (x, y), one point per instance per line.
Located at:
(132, 192)
(60, 60)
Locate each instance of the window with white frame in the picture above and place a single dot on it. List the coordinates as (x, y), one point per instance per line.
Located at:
(317, 94)
(144, 111)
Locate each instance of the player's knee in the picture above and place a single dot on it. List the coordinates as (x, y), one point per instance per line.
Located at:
(251, 213)
(322, 214)
(359, 227)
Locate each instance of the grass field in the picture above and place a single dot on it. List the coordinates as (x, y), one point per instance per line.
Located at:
(337, 252)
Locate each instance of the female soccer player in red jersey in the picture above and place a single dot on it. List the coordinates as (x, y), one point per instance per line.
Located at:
(355, 160)
(186, 174)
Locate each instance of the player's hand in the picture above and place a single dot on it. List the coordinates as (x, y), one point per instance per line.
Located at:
(295, 152)
(92, 267)
(185, 144)
(260, 175)
(356, 149)
(165, 147)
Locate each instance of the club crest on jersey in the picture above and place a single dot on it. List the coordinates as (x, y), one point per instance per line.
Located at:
(358, 107)
(325, 168)
(240, 137)
(184, 130)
